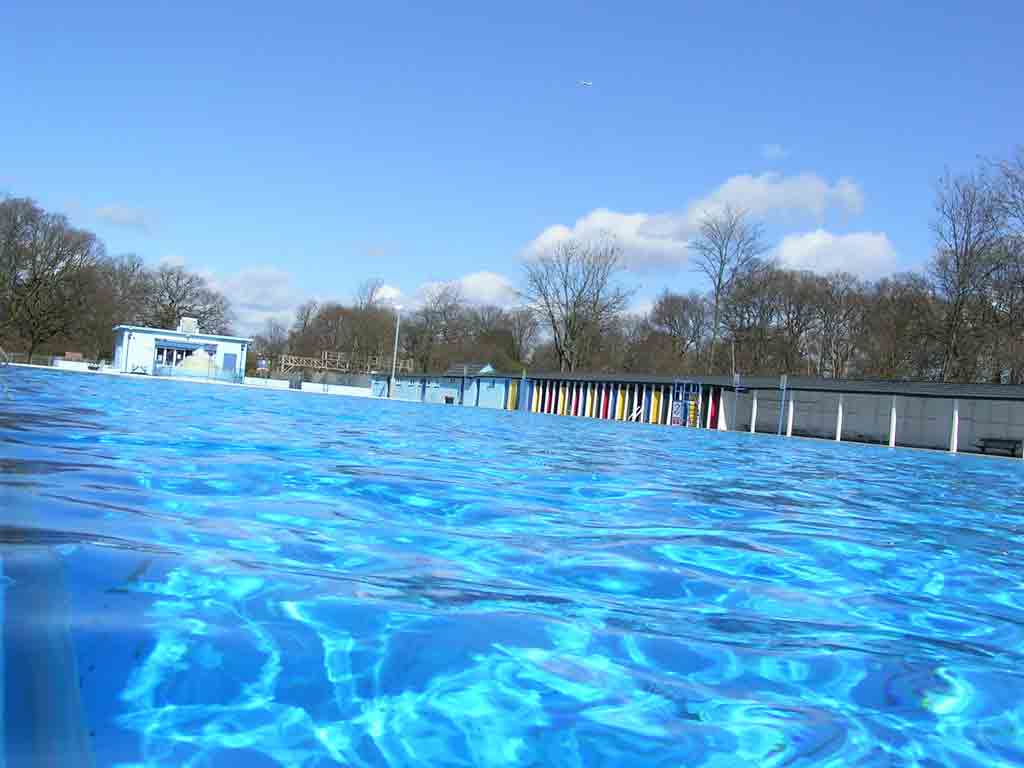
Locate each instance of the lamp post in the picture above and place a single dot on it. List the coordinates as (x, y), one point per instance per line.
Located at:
(394, 356)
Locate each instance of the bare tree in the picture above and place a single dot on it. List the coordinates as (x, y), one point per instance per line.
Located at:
(19, 217)
(304, 314)
(968, 226)
(116, 289)
(750, 312)
(525, 329)
(1004, 327)
(683, 318)
(1010, 191)
(797, 318)
(726, 244)
(434, 334)
(272, 341)
(331, 328)
(841, 312)
(175, 293)
(573, 288)
(898, 342)
(45, 266)
(444, 311)
(368, 293)
(486, 320)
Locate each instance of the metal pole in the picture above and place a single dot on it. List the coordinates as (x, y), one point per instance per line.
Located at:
(394, 356)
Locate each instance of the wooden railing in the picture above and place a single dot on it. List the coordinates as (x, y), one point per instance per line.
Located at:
(342, 363)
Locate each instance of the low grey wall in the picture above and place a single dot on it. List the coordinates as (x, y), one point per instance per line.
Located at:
(921, 422)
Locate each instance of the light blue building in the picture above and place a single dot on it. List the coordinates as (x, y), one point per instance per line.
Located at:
(183, 352)
(483, 389)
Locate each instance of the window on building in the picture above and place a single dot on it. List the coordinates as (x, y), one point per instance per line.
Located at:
(169, 356)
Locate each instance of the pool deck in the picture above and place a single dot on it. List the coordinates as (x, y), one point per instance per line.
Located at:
(190, 380)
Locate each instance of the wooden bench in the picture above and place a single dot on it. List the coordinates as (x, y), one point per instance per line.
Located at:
(1011, 445)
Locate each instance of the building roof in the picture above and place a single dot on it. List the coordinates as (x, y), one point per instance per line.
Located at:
(182, 334)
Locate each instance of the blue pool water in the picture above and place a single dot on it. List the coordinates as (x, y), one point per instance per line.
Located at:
(211, 576)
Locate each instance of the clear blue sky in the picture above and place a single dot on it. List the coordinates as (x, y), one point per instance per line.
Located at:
(295, 149)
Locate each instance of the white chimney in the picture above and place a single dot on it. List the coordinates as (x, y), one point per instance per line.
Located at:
(188, 325)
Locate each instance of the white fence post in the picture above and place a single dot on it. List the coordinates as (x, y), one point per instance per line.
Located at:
(892, 423)
(839, 419)
(954, 429)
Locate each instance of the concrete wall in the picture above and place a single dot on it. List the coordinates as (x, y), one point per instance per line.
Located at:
(71, 365)
(768, 411)
(335, 389)
(814, 414)
(260, 381)
(921, 422)
(989, 418)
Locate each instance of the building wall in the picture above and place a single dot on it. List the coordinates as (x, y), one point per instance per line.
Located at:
(71, 365)
(408, 389)
(490, 393)
(440, 389)
(768, 411)
(136, 350)
(119, 350)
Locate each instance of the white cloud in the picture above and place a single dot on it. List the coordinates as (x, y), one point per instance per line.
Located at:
(475, 288)
(389, 294)
(488, 288)
(772, 194)
(773, 151)
(661, 239)
(866, 254)
(641, 306)
(171, 260)
(642, 242)
(258, 294)
(125, 216)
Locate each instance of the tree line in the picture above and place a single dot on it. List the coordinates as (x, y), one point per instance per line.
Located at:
(959, 319)
(60, 291)
(443, 330)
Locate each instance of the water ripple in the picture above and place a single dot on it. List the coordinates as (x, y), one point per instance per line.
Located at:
(206, 576)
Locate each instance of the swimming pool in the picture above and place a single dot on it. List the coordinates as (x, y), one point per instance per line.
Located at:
(211, 576)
